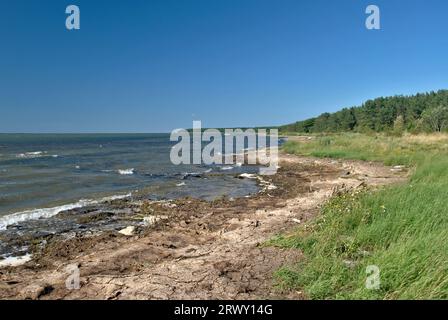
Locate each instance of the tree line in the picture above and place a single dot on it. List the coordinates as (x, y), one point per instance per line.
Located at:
(423, 112)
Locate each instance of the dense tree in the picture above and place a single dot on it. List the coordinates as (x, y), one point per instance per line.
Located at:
(380, 114)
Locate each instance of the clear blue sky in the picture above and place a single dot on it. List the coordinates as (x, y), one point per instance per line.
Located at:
(152, 66)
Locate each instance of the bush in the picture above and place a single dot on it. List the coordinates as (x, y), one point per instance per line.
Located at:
(435, 119)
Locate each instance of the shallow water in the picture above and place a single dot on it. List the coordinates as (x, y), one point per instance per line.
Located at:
(44, 172)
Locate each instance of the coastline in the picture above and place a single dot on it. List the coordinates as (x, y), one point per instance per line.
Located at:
(194, 249)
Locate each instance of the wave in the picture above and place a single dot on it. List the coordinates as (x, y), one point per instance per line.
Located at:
(34, 154)
(187, 175)
(35, 214)
(227, 168)
(120, 171)
(126, 171)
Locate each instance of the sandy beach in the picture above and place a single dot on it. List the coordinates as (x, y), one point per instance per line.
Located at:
(194, 249)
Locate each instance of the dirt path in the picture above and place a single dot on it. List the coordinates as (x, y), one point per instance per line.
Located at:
(198, 250)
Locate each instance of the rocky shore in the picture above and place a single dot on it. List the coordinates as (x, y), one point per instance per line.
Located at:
(186, 248)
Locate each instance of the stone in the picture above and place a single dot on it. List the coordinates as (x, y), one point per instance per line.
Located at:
(128, 231)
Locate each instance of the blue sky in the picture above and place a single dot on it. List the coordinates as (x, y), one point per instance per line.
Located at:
(152, 66)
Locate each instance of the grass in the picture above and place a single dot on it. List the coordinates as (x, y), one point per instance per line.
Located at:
(402, 229)
(406, 150)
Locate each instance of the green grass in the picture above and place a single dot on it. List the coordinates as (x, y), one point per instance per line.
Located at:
(402, 229)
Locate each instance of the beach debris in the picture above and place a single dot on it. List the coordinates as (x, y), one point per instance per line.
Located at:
(266, 185)
(296, 220)
(151, 220)
(128, 231)
(166, 204)
(397, 168)
(180, 184)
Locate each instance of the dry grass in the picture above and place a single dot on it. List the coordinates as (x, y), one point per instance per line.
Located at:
(401, 229)
(433, 138)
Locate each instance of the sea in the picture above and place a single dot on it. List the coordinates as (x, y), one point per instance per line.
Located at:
(44, 174)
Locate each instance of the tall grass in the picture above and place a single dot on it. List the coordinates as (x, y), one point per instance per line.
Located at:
(402, 229)
(407, 150)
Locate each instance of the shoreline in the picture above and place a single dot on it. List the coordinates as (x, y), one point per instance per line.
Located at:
(194, 249)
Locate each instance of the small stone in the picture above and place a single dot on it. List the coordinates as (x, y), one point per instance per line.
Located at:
(151, 220)
(183, 224)
(349, 263)
(128, 231)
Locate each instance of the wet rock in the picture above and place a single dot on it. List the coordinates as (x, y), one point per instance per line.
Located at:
(247, 176)
(192, 175)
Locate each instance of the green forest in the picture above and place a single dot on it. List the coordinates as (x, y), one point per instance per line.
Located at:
(423, 112)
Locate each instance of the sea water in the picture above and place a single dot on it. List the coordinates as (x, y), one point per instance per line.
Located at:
(44, 174)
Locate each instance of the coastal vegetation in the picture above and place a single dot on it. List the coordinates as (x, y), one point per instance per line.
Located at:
(401, 229)
(423, 112)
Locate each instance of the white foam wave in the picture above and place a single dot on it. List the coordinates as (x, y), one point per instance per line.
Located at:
(126, 171)
(227, 168)
(35, 214)
(33, 154)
